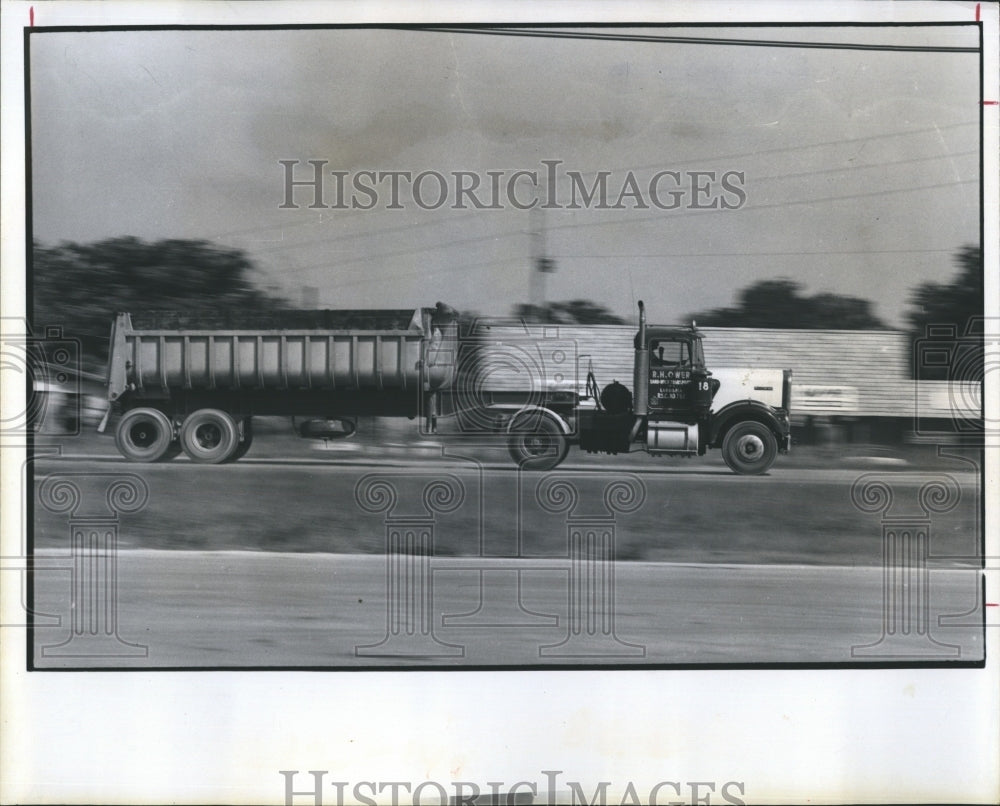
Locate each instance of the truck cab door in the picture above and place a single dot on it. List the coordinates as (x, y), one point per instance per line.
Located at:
(679, 384)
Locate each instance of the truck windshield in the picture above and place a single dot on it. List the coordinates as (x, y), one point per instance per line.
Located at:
(664, 353)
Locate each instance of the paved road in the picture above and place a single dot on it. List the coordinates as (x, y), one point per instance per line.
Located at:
(783, 568)
(691, 512)
(238, 609)
(497, 461)
(699, 473)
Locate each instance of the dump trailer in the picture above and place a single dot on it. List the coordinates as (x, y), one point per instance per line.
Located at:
(181, 384)
(191, 384)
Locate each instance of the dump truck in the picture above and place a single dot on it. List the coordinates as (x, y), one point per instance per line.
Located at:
(181, 384)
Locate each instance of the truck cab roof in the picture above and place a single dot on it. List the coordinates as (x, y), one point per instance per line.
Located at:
(667, 333)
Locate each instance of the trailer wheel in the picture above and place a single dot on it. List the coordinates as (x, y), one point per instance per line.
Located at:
(209, 436)
(247, 441)
(536, 442)
(749, 448)
(144, 435)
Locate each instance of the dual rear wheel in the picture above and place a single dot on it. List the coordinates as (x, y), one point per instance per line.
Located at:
(144, 435)
(207, 436)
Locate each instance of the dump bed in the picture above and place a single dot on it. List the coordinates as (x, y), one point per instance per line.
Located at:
(346, 350)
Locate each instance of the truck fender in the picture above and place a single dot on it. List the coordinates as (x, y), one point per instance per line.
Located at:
(540, 411)
(744, 410)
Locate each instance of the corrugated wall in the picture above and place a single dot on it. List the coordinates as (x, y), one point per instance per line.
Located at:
(844, 372)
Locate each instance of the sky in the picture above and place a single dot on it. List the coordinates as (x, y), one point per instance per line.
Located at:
(859, 169)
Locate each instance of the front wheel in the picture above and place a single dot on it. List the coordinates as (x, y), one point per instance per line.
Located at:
(536, 442)
(749, 448)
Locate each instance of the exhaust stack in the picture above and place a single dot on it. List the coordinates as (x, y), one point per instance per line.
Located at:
(640, 378)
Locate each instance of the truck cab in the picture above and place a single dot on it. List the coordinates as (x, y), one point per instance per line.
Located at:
(679, 382)
(679, 407)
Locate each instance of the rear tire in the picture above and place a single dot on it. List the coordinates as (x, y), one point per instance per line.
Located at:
(209, 436)
(749, 448)
(144, 435)
(536, 442)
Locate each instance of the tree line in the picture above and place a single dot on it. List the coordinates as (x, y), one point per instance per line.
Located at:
(81, 286)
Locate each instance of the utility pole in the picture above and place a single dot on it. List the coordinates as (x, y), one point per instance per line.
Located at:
(541, 263)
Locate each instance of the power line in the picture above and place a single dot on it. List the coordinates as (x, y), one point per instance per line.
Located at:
(424, 273)
(755, 207)
(632, 220)
(803, 147)
(880, 165)
(715, 158)
(256, 230)
(380, 232)
(403, 252)
(348, 236)
(273, 245)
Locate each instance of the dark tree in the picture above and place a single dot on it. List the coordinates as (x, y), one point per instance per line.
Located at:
(569, 312)
(956, 303)
(80, 287)
(780, 304)
(950, 312)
